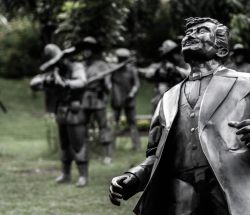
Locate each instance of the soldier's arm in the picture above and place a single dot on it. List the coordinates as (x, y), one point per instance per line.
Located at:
(78, 79)
(107, 79)
(149, 73)
(136, 85)
(37, 83)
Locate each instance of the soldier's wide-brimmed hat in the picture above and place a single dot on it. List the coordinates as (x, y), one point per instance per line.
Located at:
(123, 53)
(54, 54)
(168, 46)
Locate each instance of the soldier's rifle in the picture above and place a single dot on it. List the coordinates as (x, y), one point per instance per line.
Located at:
(102, 75)
(55, 75)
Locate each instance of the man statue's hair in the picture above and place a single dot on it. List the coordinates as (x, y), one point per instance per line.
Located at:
(222, 31)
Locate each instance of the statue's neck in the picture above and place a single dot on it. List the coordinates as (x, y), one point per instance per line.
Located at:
(204, 67)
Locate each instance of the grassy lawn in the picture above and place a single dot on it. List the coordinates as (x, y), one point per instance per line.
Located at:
(28, 168)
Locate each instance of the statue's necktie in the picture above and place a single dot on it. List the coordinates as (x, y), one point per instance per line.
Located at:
(193, 92)
(194, 85)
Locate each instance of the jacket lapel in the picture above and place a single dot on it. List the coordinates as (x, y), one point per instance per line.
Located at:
(216, 92)
(170, 104)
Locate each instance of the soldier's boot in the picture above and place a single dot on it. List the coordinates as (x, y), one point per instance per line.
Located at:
(83, 174)
(136, 142)
(107, 152)
(65, 174)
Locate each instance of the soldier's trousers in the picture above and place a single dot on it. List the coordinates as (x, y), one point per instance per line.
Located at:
(73, 144)
(202, 197)
(130, 114)
(105, 134)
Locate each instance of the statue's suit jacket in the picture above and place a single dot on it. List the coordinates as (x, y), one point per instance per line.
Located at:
(227, 98)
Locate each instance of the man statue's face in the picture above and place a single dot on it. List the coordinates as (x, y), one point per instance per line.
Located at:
(199, 42)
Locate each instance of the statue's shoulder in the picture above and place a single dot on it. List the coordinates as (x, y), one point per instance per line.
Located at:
(231, 73)
(173, 91)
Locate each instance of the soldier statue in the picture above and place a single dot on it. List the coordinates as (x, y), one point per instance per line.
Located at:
(167, 73)
(239, 58)
(67, 78)
(125, 84)
(95, 97)
(198, 150)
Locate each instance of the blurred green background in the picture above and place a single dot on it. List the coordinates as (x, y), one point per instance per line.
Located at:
(141, 25)
(28, 164)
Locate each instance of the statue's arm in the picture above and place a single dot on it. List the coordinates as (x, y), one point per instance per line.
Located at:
(135, 179)
(143, 170)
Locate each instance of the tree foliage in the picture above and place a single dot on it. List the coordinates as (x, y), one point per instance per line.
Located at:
(141, 25)
(20, 49)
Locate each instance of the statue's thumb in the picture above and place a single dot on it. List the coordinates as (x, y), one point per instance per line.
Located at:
(126, 181)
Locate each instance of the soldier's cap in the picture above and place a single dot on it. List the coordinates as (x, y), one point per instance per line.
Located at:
(239, 48)
(89, 40)
(167, 47)
(122, 52)
(54, 54)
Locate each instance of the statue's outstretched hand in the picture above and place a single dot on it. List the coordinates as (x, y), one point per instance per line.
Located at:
(123, 187)
(243, 129)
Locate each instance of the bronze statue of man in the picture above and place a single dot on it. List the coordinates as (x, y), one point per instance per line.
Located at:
(197, 156)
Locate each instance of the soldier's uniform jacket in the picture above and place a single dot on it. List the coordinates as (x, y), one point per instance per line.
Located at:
(245, 67)
(68, 100)
(166, 76)
(227, 98)
(124, 81)
(96, 94)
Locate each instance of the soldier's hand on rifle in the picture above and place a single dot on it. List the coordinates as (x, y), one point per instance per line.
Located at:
(123, 187)
(243, 129)
(49, 78)
(58, 80)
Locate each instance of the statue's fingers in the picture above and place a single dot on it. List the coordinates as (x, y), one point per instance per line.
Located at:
(114, 200)
(243, 123)
(244, 130)
(245, 138)
(113, 193)
(114, 182)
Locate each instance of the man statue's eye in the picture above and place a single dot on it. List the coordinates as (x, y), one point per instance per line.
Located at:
(203, 30)
(188, 32)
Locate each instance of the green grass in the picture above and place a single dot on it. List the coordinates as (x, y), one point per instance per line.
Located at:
(28, 168)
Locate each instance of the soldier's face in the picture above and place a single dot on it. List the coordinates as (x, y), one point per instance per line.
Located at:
(199, 42)
(87, 53)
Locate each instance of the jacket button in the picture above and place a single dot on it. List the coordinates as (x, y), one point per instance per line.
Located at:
(194, 147)
(192, 130)
(192, 115)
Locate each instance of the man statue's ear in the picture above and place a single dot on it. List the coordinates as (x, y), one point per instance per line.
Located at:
(222, 52)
